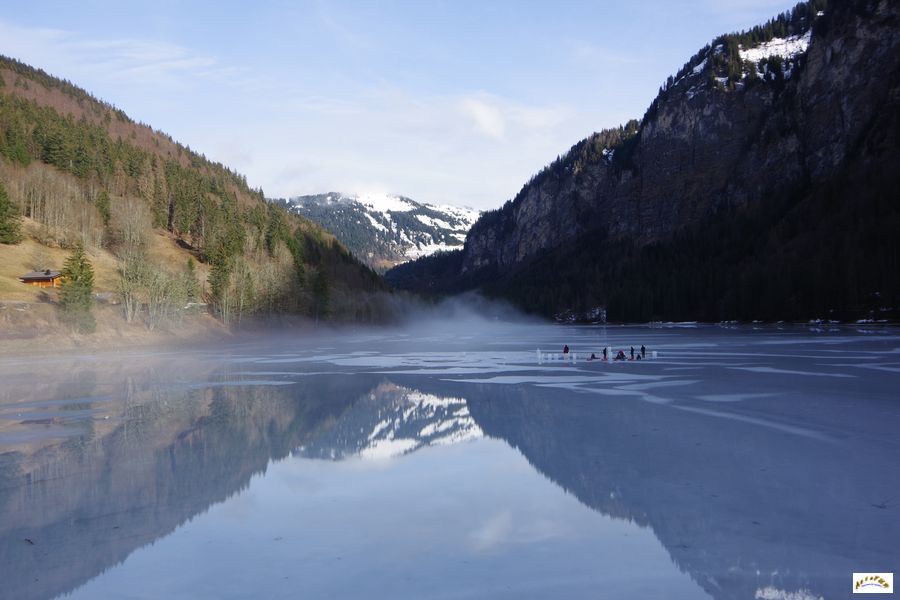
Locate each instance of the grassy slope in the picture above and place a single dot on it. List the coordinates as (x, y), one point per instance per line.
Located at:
(29, 319)
(18, 259)
(40, 317)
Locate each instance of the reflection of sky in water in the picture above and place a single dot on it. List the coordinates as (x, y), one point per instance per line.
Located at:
(453, 465)
(466, 521)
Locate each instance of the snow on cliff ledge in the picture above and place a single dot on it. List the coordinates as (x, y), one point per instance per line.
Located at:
(786, 48)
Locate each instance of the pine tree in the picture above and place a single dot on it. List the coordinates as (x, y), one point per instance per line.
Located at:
(76, 293)
(10, 221)
(220, 283)
(321, 294)
(103, 207)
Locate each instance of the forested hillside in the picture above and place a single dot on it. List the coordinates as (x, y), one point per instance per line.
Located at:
(760, 184)
(79, 171)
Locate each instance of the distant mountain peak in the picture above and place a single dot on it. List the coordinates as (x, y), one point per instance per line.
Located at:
(393, 420)
(384, 229)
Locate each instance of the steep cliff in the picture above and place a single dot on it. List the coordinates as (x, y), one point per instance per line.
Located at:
(754, 127)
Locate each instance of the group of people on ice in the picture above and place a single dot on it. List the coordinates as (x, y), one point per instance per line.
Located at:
(620, 355)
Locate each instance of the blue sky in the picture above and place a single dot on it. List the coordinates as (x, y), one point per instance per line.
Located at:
(454, 102)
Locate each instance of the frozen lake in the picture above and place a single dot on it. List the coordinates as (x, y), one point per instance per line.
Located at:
(446, 462)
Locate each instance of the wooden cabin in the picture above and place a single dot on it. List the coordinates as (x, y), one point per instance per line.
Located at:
(41, 279)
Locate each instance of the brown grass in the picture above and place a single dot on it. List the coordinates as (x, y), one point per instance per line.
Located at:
(29, 321)
(29, 328)
(164, 250)
(18, 259)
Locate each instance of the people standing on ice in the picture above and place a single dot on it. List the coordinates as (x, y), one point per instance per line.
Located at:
(566, 349)
(605, 357)
(620, 355)
(643, 351)
(632, 353)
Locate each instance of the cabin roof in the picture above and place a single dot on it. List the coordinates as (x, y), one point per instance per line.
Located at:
(47, 275)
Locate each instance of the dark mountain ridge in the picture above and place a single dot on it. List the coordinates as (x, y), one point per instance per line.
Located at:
(760, 184)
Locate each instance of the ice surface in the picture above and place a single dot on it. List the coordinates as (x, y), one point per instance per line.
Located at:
(443, 461)
(773, 593)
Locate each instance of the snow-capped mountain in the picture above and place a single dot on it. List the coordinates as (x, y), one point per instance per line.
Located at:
(393, 420)
(384, 230)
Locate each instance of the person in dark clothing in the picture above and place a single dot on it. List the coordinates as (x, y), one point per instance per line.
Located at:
(605, 357)
(592, 357)
(620, 355)
(566, 349)
(643, 351)
(632, 353)
(638, 357)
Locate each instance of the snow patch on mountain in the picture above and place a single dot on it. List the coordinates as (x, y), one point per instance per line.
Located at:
(384, 203)
(394, 420)
(384, 230)
(433, 222)
(787, 48)
(382, 449)
(375, 223)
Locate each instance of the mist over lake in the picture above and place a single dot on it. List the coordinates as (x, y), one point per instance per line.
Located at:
(443, 460)
(449, 300)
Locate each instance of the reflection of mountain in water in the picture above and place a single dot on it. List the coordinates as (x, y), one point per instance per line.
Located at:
(87, 502)
(747, 511)
(391, 420)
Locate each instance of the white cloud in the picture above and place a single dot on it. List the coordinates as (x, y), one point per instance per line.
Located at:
(486, 117)
(493, 116)
(536, 117)
(494, 532)
(502, 529)
(69, 54)
(300, 135)
(472, 149)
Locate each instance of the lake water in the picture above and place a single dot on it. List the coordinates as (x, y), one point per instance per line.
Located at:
(447, 462)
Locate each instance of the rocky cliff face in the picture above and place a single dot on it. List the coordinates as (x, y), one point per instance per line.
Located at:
(710, 142)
